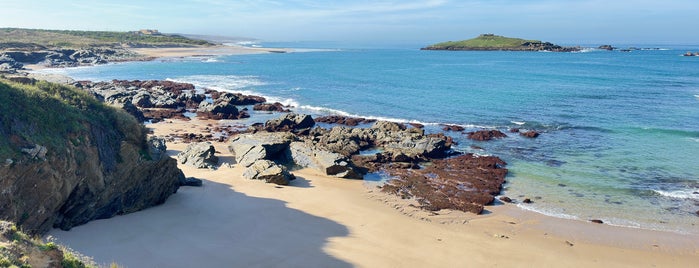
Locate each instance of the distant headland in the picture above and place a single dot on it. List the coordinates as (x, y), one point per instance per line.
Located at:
(491, 42)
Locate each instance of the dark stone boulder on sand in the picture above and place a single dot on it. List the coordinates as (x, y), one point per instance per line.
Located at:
(190, 181)
(248, 148)
(486, 135)
(330, 163)
(269, 172)
(236, 98)
(199, 155)
(465, 183)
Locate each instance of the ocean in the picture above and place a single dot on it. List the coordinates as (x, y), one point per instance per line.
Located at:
(619, 130)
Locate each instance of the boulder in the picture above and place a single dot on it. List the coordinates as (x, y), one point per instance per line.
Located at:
(530, 134)
(453, 128)
(271, 107)
(237, 98)
(290, 122)
(157, 147)
(248, 148)
(219, 110)
(199, 155)
(269, 172)
(330, 163)
(190, 181)
(486, 135)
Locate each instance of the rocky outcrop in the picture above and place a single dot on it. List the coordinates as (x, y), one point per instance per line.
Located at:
(486, 135)
(222, 109)
(271, 107)
(248, 148)
(269, 172)
(290, 122)
(67, 57)
(95, 165)
(236, 98)
(332, 164)
(465, 183)
(199, 155)
(530, 134)
(344, 120)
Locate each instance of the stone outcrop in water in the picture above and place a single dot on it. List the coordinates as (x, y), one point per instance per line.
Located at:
(486, 135)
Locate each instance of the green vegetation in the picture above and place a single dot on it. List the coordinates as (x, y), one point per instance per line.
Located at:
(54, 115)
(484, 41)
(19, 250)
(18, 38)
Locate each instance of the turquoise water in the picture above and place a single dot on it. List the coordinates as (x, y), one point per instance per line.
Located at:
(620, 131)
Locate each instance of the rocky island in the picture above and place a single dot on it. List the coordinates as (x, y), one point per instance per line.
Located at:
(491, 42)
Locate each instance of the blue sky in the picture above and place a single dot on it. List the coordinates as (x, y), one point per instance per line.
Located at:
(382, 21)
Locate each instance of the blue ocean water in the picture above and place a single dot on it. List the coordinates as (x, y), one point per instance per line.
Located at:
(620, 130)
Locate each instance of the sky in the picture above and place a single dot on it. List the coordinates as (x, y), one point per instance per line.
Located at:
(381, 21)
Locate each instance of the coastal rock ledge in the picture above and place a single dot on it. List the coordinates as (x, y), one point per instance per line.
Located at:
(93, 161)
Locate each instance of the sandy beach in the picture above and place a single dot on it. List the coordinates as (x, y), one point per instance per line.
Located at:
(203, 51)
(319, 221)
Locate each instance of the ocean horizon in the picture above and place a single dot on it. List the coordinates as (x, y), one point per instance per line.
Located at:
(619, 134)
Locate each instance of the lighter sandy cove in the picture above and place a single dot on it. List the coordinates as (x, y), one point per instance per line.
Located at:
(203, 51)
(319, 221)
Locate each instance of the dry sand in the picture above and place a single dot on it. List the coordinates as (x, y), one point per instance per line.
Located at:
(319, 221)
(203, 51)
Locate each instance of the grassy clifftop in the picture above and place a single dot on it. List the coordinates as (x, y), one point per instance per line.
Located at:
(51, 114)
(17, 37)
(485, 41)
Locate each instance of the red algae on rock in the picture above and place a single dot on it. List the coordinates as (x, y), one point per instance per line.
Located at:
(466, 182)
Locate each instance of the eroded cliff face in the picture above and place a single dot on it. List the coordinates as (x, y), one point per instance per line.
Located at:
(105, 168)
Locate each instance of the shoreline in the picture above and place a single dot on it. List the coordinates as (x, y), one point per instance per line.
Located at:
(529, 227)
(337, 222)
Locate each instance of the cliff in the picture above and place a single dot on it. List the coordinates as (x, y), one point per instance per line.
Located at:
(491, 42)
(68, 159)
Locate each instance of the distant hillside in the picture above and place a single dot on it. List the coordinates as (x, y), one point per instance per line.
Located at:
(16, 37)
(491, 42)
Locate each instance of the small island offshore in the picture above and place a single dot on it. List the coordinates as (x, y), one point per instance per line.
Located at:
(491, 42)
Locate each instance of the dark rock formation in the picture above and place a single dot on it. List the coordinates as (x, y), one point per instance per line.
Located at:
(597, 221)
(530, 134)
(465, 183)
(221, 109)
(452, 128)
(248, 148)
(486, 135)
(190, 181)
(199, 155)
(271, 107)
(505, 199)
(330, 163)
(606, 47)
(269, 172)
(290, 122)
(527, 201)
(236, 98)
(343, 120)
(103, 168)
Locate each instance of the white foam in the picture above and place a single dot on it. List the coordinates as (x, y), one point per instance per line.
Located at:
(547, 211)
(519, 123)
(229, 83)
(680, 194)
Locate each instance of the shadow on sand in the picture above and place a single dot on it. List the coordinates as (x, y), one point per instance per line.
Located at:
(209, 226)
